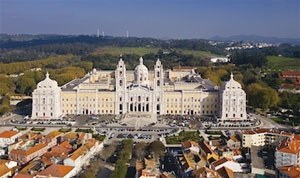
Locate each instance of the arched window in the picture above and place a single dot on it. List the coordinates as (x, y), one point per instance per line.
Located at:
(158, 83)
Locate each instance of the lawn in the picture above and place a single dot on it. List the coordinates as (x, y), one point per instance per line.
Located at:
(99, 137)
(84, 130)
(115, 51)
(198, 53)
(38, 129)
(184, 136)
(65, 130)
(283, 63)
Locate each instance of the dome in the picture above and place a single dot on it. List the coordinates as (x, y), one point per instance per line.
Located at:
(141, 68)
(232, 84)
(141, 73)
(47, 83)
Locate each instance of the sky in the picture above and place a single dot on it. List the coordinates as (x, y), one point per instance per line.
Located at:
(152, 18)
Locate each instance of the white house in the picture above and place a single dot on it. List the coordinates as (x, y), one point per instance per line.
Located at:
(219, 59)
(8, 137)
(82, 155)
(233, 101)
(46, 99)
(226, 162)
(288, 152)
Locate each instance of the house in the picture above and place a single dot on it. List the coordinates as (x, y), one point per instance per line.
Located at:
(226, 162)
(262, 137)
(219, 59)
(53, 138)
(293, 76)
(288, 152)
(191, 145)
(25, 155)
(8, 137)
(20, 175)
(233, 142)
(83, 154)
(205, 172)
(189, 162)
(225, 172)
(57, 171)
(7, 168)
(207, 152)
(291, 171)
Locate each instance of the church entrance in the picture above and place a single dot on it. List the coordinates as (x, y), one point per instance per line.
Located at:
(87, 112)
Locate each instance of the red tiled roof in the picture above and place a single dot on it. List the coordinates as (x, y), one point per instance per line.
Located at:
(8, 134)
(220, 161)
(292, 171)
(19, 175)
(28, 151)
(289, 145)
(288, 73)
(225, 172)
(56, 170)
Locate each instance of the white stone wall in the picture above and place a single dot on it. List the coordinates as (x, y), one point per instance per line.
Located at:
(285, 159)
(46, 99)
(233, 101)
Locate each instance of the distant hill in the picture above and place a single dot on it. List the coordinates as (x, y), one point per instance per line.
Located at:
(257, 39)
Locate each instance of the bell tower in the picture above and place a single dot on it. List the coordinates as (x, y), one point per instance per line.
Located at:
(158, 81)
(121, 97)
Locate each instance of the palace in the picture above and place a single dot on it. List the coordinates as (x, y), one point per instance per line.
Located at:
(161, 92)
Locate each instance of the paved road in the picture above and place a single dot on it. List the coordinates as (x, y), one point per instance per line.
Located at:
(267, 123)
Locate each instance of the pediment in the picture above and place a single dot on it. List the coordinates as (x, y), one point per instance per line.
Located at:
(138, 88)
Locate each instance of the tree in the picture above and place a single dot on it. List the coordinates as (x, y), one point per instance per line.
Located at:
(120, 170)
(5, 105)
(140, 150)
(261, 97)
(25, 85)
(157, 148)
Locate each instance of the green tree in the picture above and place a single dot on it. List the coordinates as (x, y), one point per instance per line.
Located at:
(120, 170)
(157, 149)
(25, 85)
(261, 97)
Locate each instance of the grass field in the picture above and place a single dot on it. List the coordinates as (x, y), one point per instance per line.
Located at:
(283, 63)
(115, 51)
(184, 136)
(198, 53)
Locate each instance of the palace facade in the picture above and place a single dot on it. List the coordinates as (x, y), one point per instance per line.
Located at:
(162, 92)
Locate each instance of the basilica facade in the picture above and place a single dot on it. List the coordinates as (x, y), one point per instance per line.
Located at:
(159, 91)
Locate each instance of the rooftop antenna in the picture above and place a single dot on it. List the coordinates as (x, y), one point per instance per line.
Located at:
(103, 34)
(98, 33)
(127, 34)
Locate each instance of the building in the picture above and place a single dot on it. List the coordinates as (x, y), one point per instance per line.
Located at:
(293, 76)
(292, 171)
(174, 92)
(219, 59)
(288, 152)
(262, 137)
(46, 99)
(25, 155)
(7, 168)
(207, 152)
(232, 101)
(8, 137)
(57, 171)
(82, 155)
